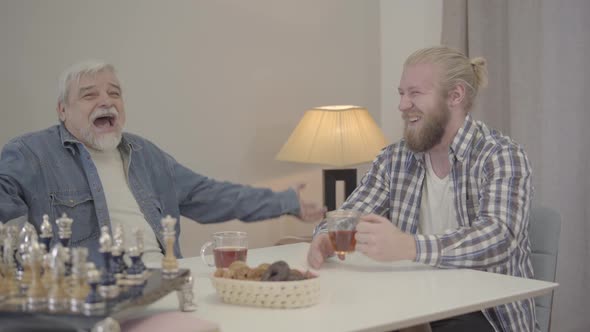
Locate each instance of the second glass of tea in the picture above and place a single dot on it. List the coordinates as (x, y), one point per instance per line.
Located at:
(341, 230)
(228, 247)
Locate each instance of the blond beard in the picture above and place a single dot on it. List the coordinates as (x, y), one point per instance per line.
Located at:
(430, 134)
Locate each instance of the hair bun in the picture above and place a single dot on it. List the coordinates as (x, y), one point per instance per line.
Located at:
(479, 61)
(480, 69)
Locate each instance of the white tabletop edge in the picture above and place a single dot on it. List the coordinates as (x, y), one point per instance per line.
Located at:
(336, 274)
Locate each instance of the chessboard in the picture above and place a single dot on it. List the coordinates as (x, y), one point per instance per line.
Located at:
(47, 287)
(14, 311)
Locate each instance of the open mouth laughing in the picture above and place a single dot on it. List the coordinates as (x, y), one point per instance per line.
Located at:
(104, 120)
(412, 119)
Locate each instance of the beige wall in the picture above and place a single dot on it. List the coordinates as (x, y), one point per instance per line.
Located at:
(218, 84)
(405, 27)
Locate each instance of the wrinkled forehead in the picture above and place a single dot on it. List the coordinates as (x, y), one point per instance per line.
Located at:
(104, 77)
(421, 75)
(95, 78)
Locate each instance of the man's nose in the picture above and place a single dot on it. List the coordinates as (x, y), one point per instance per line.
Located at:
(405, 103)
(105, 101)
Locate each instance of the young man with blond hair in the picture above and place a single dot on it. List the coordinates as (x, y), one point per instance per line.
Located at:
(452, 193)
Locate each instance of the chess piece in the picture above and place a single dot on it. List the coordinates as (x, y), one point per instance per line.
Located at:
(12, 235)
(10, 283)
(108, 285)
(138, 232)
(23, 275)
(186, 296)
(26, 236)
(94, 303)
(45, 238)
(107, 325)
(3, 289)
(2, 237)
(64, 225)
(36, 293)
(135, 272)
(118, 250)
(57, 298)
(169, 262)
(46, 277)
(46, 233)
(80, 288)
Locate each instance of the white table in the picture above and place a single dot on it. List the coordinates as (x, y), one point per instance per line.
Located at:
(359, 295)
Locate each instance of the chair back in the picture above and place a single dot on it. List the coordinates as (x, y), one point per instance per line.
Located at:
(544, 230)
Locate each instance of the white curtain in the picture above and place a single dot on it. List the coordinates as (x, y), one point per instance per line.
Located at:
(538, 55)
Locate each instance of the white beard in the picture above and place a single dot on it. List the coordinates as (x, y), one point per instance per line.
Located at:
(104, 142)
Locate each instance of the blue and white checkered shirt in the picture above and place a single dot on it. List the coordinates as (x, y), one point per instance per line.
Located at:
(491, 178)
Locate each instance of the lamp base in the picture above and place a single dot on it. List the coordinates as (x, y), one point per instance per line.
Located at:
(348, 175)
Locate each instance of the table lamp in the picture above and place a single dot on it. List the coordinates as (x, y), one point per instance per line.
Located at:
(339, 136)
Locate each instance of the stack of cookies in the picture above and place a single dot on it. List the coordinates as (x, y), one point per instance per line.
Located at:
(277, 271)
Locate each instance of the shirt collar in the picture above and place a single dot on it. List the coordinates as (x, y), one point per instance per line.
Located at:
(462, 141)
(129, 143)
(69, 142)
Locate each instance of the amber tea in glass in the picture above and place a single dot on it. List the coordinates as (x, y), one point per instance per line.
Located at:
(224, 256)
(228, 247)
(341, 230)
(343, 242)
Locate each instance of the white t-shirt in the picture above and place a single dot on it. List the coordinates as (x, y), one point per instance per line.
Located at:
(437, 208)
(122, 206)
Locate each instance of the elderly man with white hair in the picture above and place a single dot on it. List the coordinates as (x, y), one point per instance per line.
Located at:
(87, 167)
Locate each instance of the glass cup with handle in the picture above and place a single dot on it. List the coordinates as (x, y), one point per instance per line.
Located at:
(341, 230)
(228, 246)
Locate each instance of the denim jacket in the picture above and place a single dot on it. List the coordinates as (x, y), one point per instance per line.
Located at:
(51, 172)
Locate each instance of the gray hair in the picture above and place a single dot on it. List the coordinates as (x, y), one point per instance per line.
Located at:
(75, 72)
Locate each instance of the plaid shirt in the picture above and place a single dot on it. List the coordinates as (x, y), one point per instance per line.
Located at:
(491, 178)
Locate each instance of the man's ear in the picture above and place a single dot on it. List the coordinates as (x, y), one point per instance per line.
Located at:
(456, 95)
(61, 111)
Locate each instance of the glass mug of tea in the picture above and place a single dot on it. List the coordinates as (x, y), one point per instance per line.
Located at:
(341, 230)
(227, 247)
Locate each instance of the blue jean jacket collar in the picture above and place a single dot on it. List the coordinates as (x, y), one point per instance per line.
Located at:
(69, 142)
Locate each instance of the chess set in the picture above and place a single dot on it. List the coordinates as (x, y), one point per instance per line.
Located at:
(58, 286)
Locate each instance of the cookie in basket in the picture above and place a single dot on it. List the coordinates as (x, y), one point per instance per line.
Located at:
(267, 285)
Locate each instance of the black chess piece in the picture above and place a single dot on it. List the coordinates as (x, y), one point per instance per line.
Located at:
(117, 267)
(135, 272)
(20, 269)
(94, 302)
(3, 231)
(64, 225)
(108, 277)
(46, 233)
(108, 285)
(26, 236)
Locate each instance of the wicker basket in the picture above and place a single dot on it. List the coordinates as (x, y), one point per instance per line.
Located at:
(270, 294)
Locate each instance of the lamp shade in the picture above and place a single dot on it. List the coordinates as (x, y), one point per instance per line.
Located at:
(334, 135)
